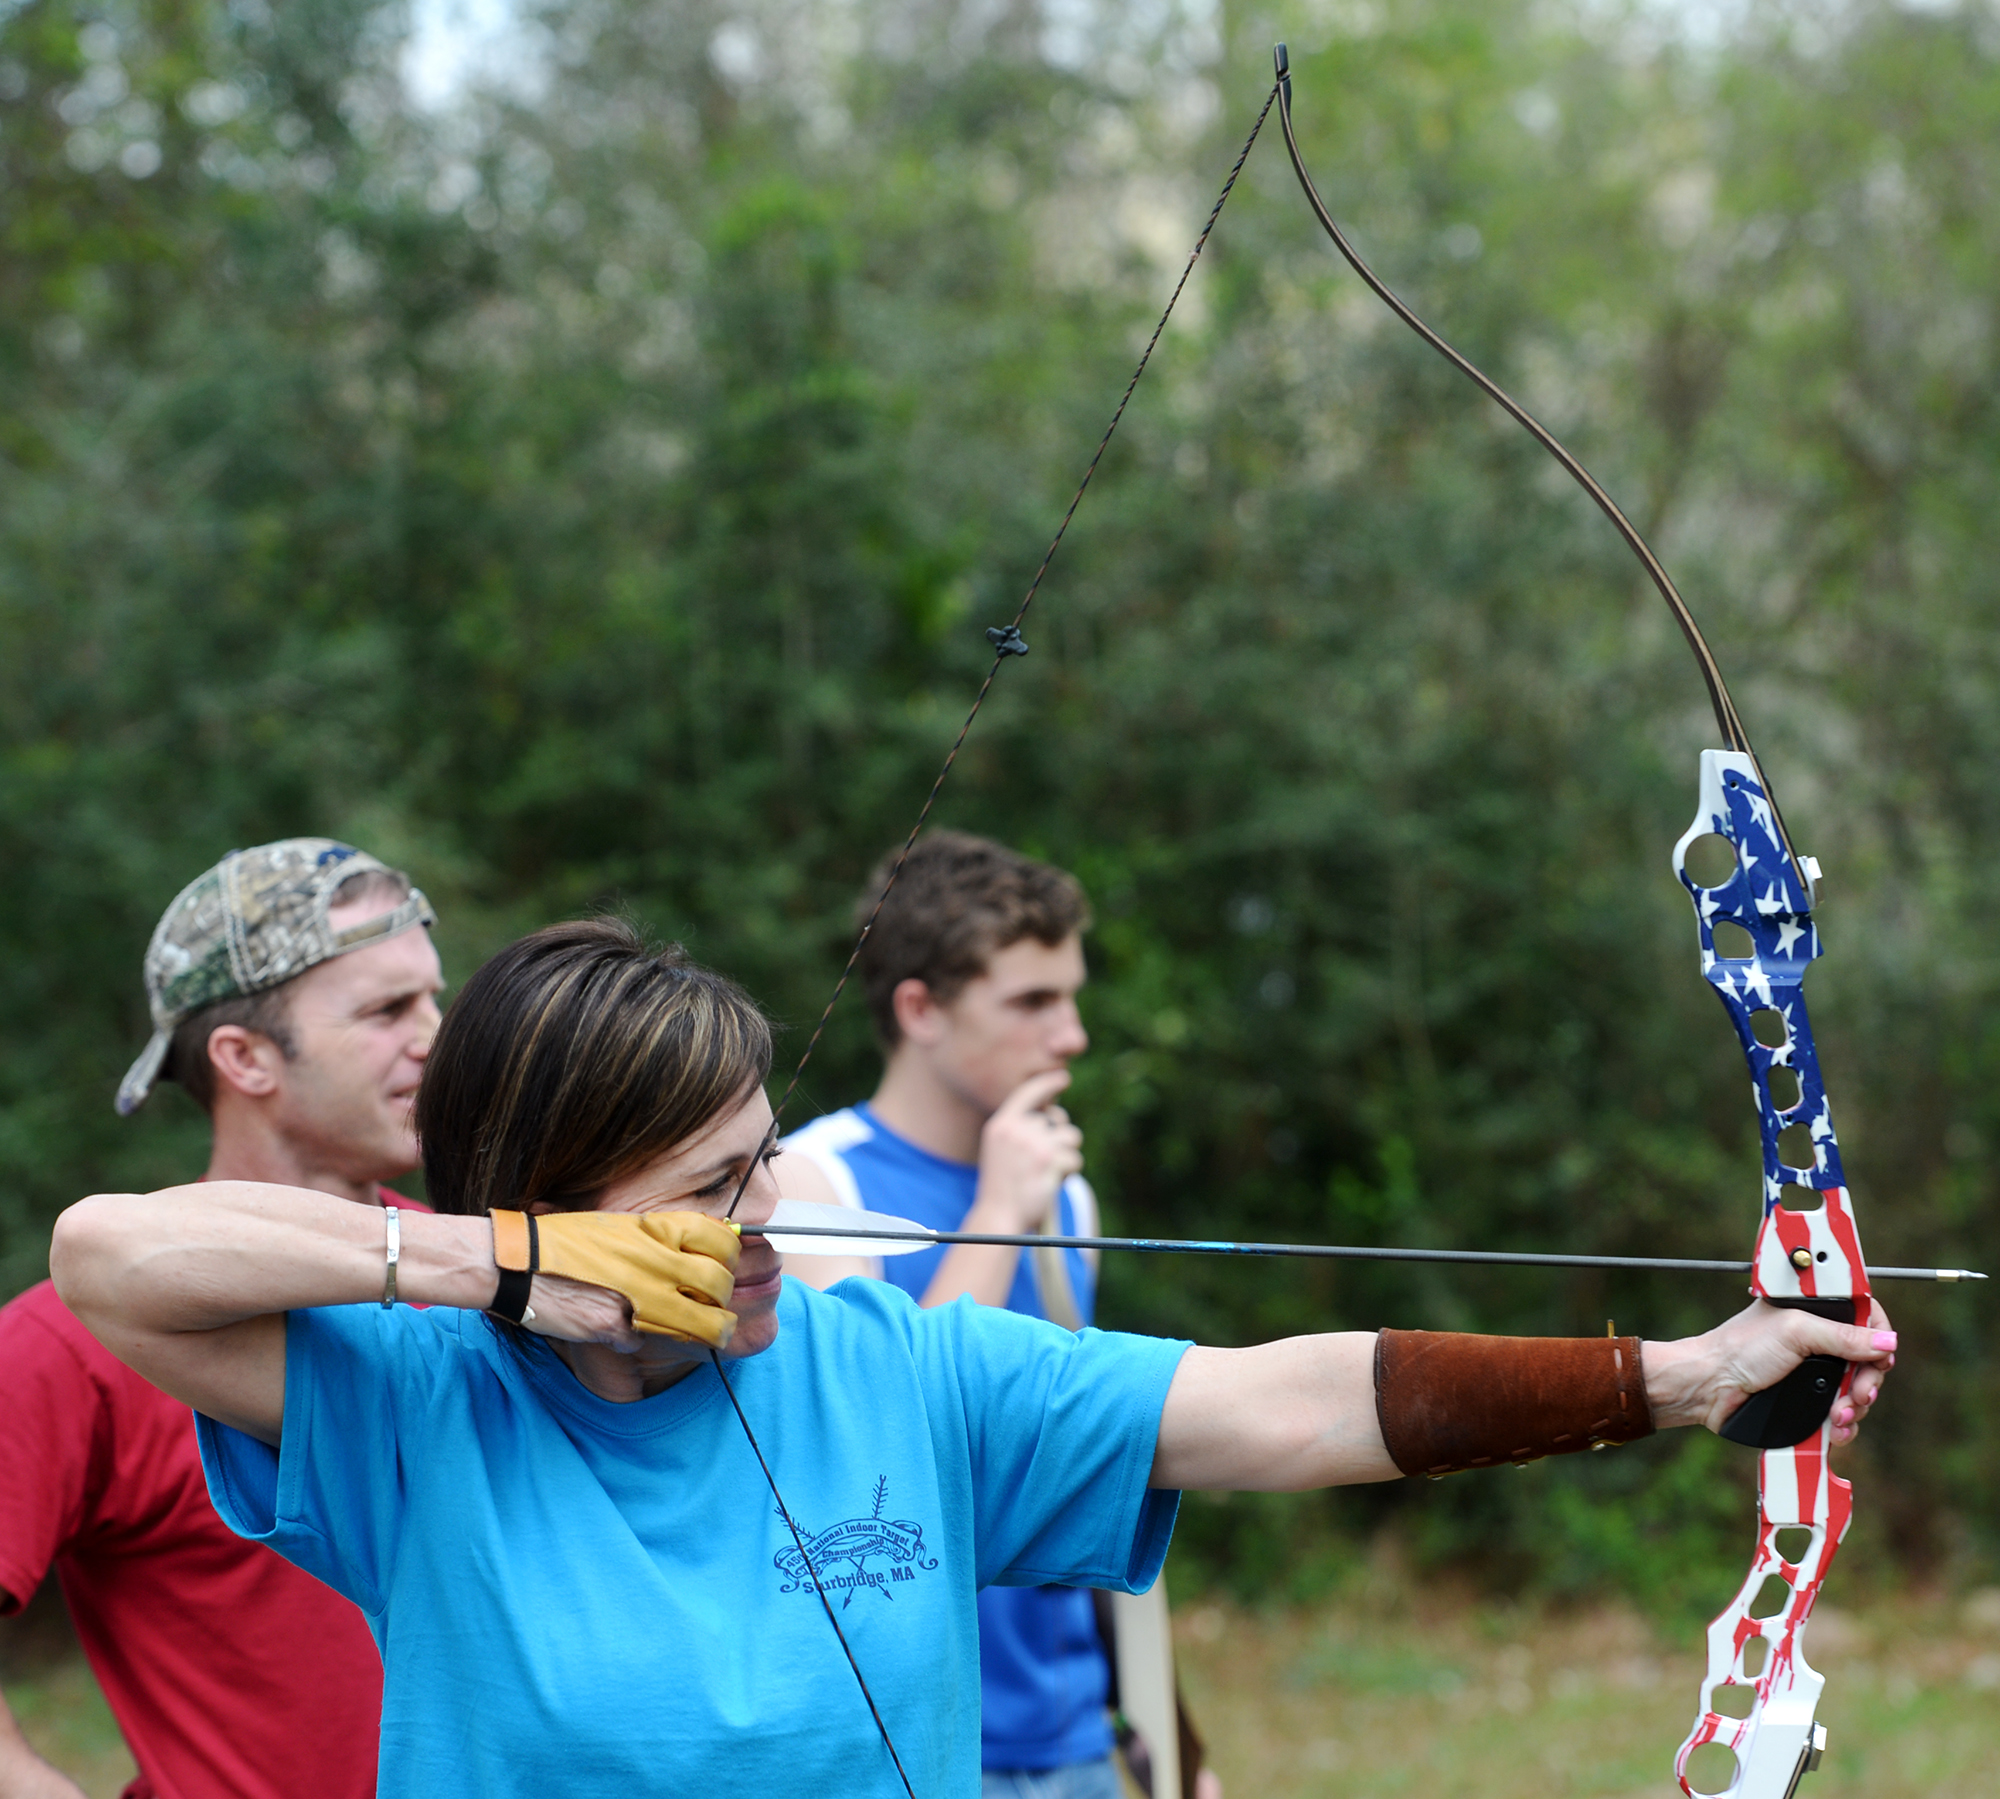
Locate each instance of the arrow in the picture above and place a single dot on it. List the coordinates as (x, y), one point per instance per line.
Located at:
(848, 1231)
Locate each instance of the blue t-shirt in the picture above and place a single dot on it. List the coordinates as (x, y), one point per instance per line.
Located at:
(579, 1597)
(1042, 1665)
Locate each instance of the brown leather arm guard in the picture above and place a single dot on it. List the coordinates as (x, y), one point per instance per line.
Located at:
(1448, 1401)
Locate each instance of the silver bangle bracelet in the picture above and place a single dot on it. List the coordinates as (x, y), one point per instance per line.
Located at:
(393, 1225)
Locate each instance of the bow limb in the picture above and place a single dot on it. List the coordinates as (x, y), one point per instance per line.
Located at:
(1730, 724)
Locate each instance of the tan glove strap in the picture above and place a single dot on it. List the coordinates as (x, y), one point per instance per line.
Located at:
(1448, 1401)
(516, 1252)
(513, 1240)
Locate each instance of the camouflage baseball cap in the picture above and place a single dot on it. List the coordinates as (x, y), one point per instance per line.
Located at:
(255, 920)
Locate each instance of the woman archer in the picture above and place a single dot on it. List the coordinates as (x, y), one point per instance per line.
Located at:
(537, 1486)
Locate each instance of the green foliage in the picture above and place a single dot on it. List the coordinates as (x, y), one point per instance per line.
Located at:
(596, 498)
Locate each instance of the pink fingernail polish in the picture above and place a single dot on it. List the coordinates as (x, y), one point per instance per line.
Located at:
(1883, 1340)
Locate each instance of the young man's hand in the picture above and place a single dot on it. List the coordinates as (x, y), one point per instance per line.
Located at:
(1027, 1149)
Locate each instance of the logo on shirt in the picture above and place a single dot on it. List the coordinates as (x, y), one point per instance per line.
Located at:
(843, 1553)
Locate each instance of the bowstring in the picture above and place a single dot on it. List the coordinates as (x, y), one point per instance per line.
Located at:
(1007, 642)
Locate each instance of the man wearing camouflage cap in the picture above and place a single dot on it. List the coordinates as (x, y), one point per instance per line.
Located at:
(294, 997)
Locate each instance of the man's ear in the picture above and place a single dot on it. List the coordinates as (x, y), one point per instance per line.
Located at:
(918, 1015)
(245, 1060)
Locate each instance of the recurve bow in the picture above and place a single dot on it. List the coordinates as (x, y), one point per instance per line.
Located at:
(1759, 1695)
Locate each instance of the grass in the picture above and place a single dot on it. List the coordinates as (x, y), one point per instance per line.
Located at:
(1419, 1691)
(1427, 1693)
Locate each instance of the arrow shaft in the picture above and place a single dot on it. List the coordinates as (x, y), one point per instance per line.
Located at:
(1341, 1252)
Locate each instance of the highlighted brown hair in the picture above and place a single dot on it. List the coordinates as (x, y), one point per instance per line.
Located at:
(958, 902)
(574, 1057)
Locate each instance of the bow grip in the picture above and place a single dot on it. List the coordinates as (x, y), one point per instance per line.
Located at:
(1796, 1407)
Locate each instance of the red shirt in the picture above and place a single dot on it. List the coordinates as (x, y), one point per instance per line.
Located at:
(233, 1674)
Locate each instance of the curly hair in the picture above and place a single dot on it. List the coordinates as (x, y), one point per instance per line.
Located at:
(959, 901)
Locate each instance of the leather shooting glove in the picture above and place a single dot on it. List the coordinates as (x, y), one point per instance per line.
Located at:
(677, 1270)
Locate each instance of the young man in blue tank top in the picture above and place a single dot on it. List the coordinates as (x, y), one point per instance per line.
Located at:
(971, 975)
